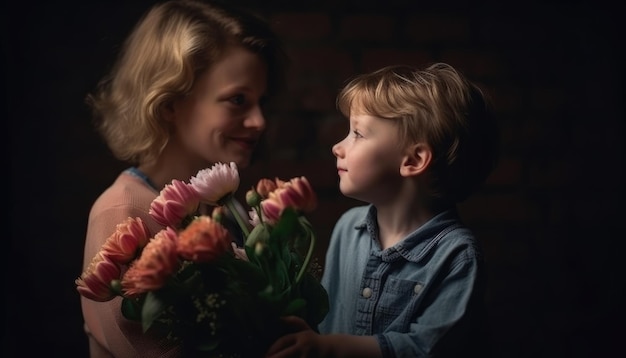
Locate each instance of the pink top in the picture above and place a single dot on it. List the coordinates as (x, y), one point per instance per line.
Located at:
(110, 334)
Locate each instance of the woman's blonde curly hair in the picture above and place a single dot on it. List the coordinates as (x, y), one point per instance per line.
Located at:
(169, 48)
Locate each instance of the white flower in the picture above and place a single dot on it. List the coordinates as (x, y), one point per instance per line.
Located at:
(215, 183)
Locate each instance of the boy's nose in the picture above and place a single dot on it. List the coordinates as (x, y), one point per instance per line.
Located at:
(336, 149)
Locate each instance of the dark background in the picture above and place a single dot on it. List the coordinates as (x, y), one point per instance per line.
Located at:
(550, 217)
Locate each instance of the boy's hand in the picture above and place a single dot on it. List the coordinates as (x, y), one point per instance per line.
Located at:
(305, 342)
(302, 342)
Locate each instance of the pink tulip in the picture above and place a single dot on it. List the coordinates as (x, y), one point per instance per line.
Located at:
(265, 186)
(271, 208)
(280, 183)
(175, 202)
(157, 263)
(124, 244)
(296, 194)
(95, 282)
(204, 240)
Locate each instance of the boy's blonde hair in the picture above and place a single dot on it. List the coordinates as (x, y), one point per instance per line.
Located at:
(172, 45)
(437, 106)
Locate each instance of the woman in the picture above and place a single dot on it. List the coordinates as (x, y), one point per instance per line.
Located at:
(186, 92)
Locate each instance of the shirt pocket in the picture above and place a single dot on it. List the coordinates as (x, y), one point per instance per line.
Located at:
(395, 305)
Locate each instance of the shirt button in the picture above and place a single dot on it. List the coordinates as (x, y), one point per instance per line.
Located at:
(417, 288)
(367, 292)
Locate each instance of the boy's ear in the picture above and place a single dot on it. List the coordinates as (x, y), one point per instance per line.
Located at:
(416, 160)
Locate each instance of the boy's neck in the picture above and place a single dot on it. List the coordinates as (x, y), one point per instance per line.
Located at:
(397, 221)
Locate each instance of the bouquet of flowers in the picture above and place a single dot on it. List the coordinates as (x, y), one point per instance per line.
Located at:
(190, 280)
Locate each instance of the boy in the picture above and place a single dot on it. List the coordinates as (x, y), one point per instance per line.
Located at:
(403, 274)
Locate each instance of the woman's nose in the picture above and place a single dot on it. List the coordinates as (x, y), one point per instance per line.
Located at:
(256, 119)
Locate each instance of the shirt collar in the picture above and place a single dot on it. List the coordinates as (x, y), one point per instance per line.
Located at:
(417, 243)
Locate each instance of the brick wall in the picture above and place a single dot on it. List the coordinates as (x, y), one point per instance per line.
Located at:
(540, 64)
(552, 70)
(548, 217)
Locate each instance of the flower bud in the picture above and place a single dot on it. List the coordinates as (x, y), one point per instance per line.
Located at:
(218, 214)
(116, 286)
(253, 198)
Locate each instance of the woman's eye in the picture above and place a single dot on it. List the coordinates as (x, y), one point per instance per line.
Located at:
(238, 99)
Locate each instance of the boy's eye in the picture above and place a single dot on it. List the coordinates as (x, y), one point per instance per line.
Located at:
(357, 134)
(238, 99)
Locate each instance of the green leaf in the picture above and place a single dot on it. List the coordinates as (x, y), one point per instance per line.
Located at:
(287, 225)
(317, 296)
(152, 309)
(281, 276)
(252, 255)
(249, 273)
(302, 242)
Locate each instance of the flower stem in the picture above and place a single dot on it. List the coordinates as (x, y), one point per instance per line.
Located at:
(259, 213)
(230, 204)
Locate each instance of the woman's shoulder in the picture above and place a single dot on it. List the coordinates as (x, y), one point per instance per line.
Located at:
(126, 197)
(126, 191)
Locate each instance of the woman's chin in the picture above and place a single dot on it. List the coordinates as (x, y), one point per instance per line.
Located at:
(242, 161)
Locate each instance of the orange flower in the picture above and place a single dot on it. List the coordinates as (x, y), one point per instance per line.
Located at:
(203, 240)
(95, 283)
(131, 236)
(157, 263)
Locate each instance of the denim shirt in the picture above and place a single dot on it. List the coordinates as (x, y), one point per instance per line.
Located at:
(422, 297)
